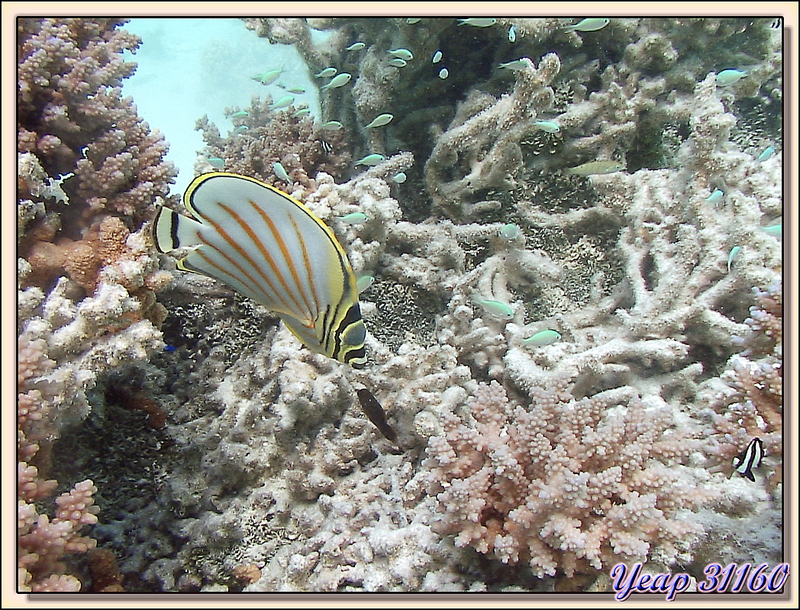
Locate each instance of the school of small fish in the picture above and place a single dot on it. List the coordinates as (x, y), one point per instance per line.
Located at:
(268, 246)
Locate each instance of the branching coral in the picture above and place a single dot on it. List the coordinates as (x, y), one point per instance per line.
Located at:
(89, 173)
(589, 452)
(749, 403)
(43, 542)
(548, 484)
(266, 136)
(72, 115)
(482, 143)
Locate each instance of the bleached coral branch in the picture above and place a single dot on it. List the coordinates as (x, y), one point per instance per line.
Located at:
(481, 146)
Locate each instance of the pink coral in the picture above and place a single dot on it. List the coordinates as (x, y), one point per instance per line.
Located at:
(72, 115)
(566, 484)
(752, 404)
(42, 542)
(302, 147)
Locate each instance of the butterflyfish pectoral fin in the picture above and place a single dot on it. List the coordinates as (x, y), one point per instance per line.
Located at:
(270, 247)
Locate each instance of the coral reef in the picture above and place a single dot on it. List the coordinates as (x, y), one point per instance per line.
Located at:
(243, 462)
(747, 402)
(548, 483)
(482, 143)
(265, 137)
(89, 173)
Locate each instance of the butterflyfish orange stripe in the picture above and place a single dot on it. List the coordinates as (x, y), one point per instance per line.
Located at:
(270, 247)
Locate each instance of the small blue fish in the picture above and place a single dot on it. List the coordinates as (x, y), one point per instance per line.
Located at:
(715, 197)
(509, 232)
(356, 46)
(300, 113)
(354, 218)
(596, 167)
(285, 101)
(478, 22)
(444, 73)
(399, 178)
(240, 115)
(380, 121)
(363, 282)
(548, 126)
(217, 162)
(517, 64)
(768, 152)
(281, 172)
(241, 129)
(776, 230)
(413, 20)
(591, 24)
(728, 77)
(733, 255)
(402, 54)
(331, 126)
(396, 62)
(512, 34)
(296, 90)
(268, 77)
(749, 458)
(326, 73)
(496, 309)
(340, 80)
(437, 57)
(372, 159)
(542, 338)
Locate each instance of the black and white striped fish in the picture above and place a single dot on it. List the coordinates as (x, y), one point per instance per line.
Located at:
(270, 247)
(749, 458)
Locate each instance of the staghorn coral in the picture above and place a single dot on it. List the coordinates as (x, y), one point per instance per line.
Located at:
(545, 484)
(482, 142)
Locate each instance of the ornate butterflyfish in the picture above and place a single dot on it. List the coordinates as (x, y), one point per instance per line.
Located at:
(269, 247)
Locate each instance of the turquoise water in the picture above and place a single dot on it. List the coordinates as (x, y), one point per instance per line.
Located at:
(191, 67)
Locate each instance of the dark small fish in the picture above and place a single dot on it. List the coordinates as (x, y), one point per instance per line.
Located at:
(749, 458)
(376, 414)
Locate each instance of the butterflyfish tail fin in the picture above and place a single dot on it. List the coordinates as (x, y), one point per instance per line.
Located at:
(172, 230)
